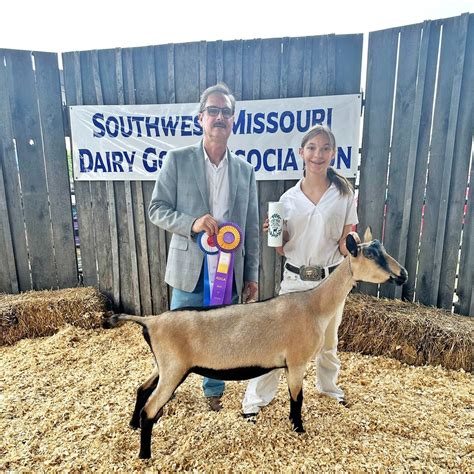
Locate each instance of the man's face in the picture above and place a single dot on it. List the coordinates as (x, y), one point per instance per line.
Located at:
(216, 128)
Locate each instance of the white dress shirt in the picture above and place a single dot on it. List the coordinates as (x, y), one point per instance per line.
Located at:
(218, 187)
(315, 229)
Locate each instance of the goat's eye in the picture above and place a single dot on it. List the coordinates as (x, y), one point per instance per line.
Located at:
(369, 253)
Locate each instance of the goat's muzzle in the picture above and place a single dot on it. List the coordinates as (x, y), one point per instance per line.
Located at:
(400, 279)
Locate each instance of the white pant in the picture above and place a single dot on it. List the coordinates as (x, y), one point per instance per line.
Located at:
(261, 390)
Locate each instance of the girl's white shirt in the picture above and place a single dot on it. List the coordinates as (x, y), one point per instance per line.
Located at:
(315, 229)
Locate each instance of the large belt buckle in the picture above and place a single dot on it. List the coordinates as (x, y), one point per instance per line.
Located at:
(308, 273)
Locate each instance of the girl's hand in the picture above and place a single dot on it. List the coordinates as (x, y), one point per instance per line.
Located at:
(265, 226)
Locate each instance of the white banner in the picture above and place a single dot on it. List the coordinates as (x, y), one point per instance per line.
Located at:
(130, 142)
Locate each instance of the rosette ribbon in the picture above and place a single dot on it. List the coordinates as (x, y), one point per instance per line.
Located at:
(219, 263)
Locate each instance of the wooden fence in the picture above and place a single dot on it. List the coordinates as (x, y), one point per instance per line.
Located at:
(418, 125)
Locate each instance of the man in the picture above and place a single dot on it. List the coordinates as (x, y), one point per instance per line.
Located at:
(198, 188)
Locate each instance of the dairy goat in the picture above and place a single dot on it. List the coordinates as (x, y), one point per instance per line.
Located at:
(243, 341)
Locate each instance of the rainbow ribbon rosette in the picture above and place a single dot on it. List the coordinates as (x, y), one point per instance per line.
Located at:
(219, 252)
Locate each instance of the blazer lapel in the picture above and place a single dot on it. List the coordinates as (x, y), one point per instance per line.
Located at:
(233, 180)
(200, 173)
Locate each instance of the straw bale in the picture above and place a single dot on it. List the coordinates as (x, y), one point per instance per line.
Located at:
(410, 332)
(67, 400)
(42, 313)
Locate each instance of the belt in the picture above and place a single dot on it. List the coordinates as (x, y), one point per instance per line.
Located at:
(311, 273)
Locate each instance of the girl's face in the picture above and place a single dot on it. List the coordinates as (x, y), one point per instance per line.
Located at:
(317, 154)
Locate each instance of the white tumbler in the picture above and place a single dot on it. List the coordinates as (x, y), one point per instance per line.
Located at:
(275, 224)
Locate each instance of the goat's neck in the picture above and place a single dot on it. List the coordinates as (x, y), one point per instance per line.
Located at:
(333, 291)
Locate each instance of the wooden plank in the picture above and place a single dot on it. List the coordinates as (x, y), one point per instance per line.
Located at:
(320, 70)
(457, 158)
(269, 190)
(203, 64)
(219, 61)
(12, 188)
(238, 70)
(146, 93)
(257, 65)
(465, 304)
(161, 73)
(229, 52)
(248, 75)
(382, 55)
(402, 126)
(331, 51)
(27, 130)
(209, 65)
(128, 267)
(291, 85)
(92, 95)
(348, 63)
(167, 89)
(296, 63)
(186, 72)
(418, 154)
(440, 165)
(185, 76)
(8, 277)
(462, 150)
(57, 174)
(74, 96)
(157, 238)
(110, 68)
(307, 65)
(251, 83)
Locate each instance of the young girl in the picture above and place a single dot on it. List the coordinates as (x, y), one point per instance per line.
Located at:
(319, 212)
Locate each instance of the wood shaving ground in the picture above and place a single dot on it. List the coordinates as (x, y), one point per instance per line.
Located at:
(67, 400)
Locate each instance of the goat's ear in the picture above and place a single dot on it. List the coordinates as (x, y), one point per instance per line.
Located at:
(368, 234)
(352, 242)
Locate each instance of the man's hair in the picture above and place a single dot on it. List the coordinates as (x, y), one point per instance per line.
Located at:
(219, 88)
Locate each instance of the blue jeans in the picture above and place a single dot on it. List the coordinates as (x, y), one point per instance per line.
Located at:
(182, 299)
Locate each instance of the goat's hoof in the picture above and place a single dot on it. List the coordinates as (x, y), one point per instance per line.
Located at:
(250, 417)
(299, 429)
(344, 403)
(145, 455)
(134, 424)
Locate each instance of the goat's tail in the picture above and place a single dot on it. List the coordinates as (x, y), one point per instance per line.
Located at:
(116, 319)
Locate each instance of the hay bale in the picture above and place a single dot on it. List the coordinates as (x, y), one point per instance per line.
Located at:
(410, 332)
(42, 313)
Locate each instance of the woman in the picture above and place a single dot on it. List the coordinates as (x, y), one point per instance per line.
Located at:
(319, 212)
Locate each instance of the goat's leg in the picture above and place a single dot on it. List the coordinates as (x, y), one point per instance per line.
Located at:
(143, 393)
(153, 408)
(295, 376)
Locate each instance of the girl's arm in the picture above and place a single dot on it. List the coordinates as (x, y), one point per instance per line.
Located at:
(342, 240)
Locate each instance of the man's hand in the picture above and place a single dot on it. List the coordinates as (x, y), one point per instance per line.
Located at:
(250, 291)
(206, 223)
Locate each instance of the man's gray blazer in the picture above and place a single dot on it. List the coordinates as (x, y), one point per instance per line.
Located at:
(181, 196)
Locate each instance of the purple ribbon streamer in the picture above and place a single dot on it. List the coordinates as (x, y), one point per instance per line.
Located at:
(222, 288)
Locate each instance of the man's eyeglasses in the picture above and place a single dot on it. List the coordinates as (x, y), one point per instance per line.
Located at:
(214, 111)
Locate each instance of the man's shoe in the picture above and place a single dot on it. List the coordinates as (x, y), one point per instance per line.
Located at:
(214, 403)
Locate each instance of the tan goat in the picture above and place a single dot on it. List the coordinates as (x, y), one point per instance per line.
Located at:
(243, 341)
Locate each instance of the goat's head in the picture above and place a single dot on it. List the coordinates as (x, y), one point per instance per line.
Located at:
(370, 261)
